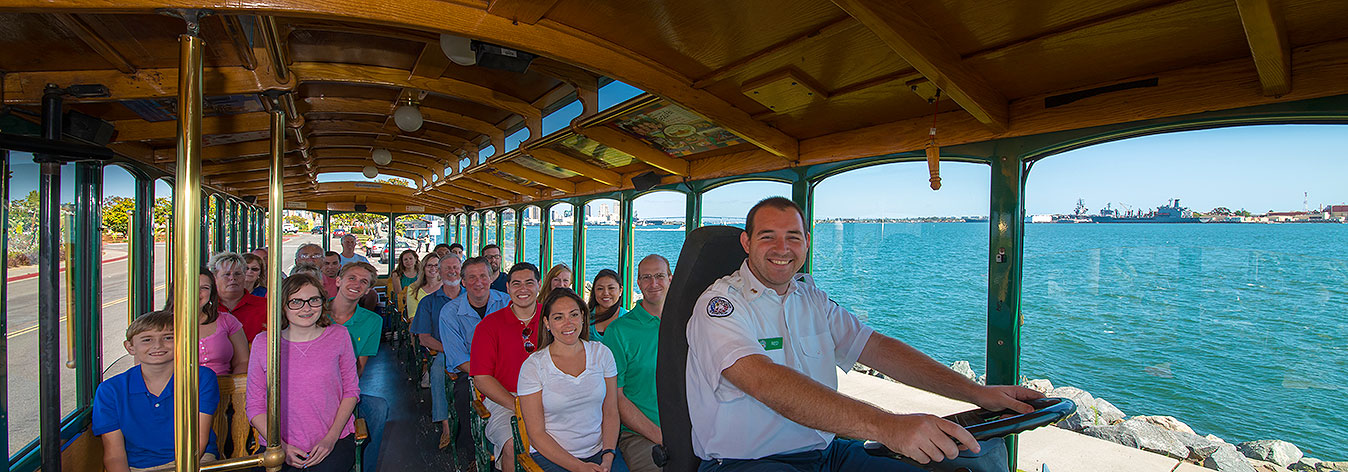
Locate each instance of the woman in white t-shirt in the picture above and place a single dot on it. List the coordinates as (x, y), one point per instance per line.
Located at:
(568, 392)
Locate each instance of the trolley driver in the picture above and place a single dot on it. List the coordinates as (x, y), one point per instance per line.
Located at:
(764, 346)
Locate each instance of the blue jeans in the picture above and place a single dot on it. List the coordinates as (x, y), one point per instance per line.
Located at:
(840, 456)
(439, 404)
(619, 465)
(375, 412)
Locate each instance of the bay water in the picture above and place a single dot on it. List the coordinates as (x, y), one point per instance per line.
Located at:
(1238, 330)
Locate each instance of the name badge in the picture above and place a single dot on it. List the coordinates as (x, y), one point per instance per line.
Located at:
(771, 344)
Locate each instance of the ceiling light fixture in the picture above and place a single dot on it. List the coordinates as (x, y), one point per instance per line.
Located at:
(408, 116)
(381, 156)
(459, 50)
(370, 172)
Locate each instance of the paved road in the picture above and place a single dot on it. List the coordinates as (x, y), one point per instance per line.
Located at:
(21, 309)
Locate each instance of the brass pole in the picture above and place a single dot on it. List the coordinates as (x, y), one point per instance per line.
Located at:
(274, 457)
(187, 249)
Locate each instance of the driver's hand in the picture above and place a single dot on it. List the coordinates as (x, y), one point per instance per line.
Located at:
(926, 438)
(1006, 397)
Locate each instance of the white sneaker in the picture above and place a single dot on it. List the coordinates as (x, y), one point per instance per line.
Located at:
(426, 380)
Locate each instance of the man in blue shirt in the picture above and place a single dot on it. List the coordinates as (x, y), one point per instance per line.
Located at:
(426, 325)
(133, 411)
(458, 319)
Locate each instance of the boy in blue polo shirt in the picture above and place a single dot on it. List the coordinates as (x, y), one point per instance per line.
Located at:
(133, 411)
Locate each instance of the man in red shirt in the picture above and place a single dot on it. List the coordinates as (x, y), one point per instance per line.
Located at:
(501, 342)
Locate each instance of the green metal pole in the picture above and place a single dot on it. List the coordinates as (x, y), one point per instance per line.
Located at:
(141, 248)
(391, 242)
(519, 235)
(1005, 234)
(88, 308)
(236, 226)
(692, 213)
(327, 229)
(802, 192)
(500, 225)
(578, 245)
(481, 231)
(219, 230)
(4, 301)
(626, 234)
(545, 242)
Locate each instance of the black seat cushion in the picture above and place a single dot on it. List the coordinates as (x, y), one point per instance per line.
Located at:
(708, 254)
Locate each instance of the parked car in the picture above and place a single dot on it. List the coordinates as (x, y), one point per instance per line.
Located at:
(403, 244)
(337, 233)
(317, 229)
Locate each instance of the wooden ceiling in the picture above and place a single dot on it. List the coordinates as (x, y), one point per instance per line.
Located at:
(734, 87)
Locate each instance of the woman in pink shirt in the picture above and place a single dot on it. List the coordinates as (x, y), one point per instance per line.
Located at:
(319, 388)
(220, 342)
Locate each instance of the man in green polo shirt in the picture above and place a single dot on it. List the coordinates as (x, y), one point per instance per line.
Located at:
(633, 338)
(353, 281)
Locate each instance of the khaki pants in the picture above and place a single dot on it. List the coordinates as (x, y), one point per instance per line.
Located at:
(636, 451)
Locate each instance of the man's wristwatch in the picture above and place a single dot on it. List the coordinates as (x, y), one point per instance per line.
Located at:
(607, 451)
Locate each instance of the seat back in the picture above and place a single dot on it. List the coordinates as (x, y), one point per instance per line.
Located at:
(708, 254)
(233, 391)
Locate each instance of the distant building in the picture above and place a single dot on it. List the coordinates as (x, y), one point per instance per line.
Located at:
(1284, 216)
(1337, 212)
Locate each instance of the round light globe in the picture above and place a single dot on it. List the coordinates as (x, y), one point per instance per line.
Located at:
(459, 50)
(381, 156)
(370, 172)
(408, 118)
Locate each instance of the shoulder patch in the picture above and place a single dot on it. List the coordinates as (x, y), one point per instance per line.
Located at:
(720, 307)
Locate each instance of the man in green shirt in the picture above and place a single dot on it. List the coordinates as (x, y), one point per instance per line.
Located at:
(364, 326)
(633, 338)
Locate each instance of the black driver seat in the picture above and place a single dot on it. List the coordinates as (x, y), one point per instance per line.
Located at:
(709, 253)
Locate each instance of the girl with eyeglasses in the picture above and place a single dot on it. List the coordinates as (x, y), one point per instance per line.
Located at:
(318, 377)
(568, 392)
(501, 342)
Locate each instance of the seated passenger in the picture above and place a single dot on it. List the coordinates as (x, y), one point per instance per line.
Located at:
(233, 296)
(441, 249)
(634, 339)
(764, 349)
(133, 411)
(402, 277)
(348, 254)
(222, 346)
(606, 294)
(501, 342)
(308, 255)
(559, 276)
(319, 388)
(426, 326)
(568, 393)
(255, 279)
(458, 321)
(332, 263)
(428, 281)
(353, 281)
(457, 249)
(492, 253)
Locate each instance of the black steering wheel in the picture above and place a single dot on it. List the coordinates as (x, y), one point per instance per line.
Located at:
(983, 424)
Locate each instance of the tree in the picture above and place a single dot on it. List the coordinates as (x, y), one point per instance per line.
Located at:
(163, 215)
(117, 214)
(300, 223)
(396, 181)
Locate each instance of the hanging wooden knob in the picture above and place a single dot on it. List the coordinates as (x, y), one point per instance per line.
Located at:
(934, 163)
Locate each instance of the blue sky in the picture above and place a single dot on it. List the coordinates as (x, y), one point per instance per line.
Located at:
(1257, 168)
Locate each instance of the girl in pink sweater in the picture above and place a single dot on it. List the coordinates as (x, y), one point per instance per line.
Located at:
(319, 388)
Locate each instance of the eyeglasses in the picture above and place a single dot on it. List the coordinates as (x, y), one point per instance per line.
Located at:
(255, 269)
(650, 277)
(528, 345)
(309, 256)
(297, 303)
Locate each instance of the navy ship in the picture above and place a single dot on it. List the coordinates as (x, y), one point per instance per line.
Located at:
(1171, 212)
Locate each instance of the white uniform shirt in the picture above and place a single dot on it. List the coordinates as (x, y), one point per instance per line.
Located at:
(573, 407)
(738, 316)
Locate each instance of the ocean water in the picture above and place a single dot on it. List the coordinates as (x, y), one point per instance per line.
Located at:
(1238, 330)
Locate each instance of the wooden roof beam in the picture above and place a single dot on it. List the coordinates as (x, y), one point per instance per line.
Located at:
(224, 151)
(501, 183)
(523, 11)
(1267, 36)
(637, 149)
(369, 106)
(480, 188)
(371, 128)
(585, 169)
(26, 87)
(325, 155)
(91, 38)
(391, 77)
(239, 36)
(526, 173)
(324, 163)
(141, 130)
(898, 26)
(432, 62)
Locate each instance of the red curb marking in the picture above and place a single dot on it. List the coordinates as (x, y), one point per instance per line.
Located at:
(35, 274)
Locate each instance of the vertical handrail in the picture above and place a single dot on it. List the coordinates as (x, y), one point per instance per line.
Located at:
(67, 243)
(4, 299)
(131, 261)
(626, 241)
(545, 243)
(187, 250)
(274, 456)
(578, 252)
(519, 235)
(48, 295)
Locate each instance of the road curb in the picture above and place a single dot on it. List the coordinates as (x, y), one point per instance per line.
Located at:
(35, 274)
